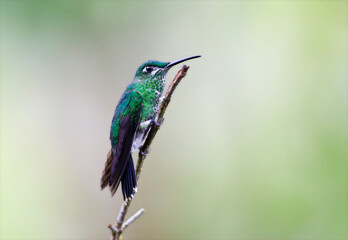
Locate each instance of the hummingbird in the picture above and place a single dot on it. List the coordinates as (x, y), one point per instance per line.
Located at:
(134, 114)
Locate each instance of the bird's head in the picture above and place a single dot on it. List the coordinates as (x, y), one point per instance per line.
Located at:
(156, 70)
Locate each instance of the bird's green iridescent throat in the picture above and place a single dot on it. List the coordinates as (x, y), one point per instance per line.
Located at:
(150, 87)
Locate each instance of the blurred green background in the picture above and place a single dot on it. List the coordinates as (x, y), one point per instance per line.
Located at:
(254, 145)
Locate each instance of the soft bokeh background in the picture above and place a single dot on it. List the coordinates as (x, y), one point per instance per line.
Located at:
(254, 144)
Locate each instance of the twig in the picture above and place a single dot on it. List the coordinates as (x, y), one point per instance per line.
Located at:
(120, 225)
(133, 218)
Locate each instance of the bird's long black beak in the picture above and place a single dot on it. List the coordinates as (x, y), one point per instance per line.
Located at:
(171, 64)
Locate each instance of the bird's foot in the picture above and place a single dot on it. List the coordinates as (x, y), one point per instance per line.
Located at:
(156, 123)
(145, 154)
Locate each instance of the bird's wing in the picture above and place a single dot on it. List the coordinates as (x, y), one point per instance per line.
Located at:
(124, 125)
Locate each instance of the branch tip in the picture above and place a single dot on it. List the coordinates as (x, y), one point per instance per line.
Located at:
(133, 218)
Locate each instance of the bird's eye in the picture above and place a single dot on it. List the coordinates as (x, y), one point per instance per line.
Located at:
(148, 69)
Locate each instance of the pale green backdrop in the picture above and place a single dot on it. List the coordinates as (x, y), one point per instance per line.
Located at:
(255, 141)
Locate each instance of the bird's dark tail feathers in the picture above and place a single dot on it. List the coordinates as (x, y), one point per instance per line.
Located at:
(128, 180)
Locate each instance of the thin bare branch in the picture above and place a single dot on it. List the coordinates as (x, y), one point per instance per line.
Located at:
(133, 218)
